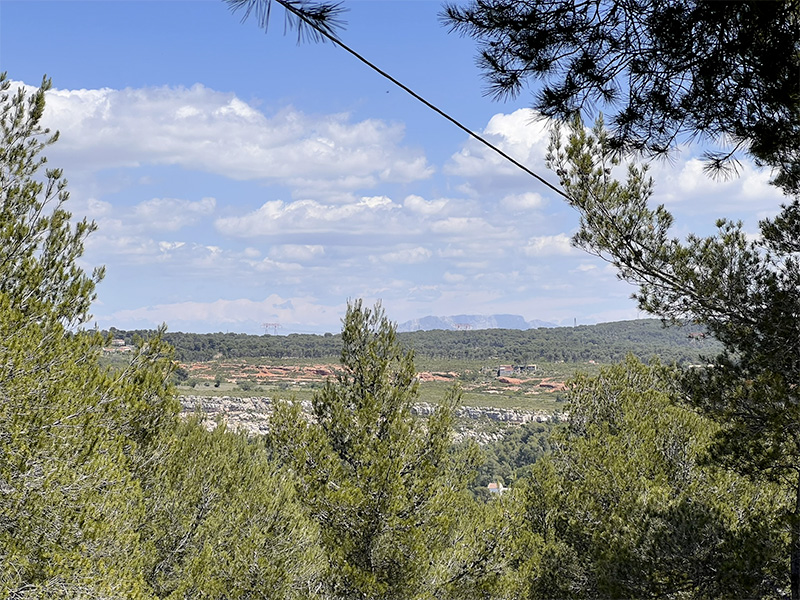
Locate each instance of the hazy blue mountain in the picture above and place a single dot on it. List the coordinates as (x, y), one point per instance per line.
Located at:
(472, 322)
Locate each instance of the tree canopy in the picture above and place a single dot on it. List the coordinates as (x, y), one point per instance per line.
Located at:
(626, 506)
(663, 72)
(388, 491)
(745, 290)
(603, 342)
(104, 493)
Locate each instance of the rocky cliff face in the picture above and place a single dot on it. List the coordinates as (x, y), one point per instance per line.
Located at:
(252, 415)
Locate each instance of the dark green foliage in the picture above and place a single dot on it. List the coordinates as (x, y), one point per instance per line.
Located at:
(207, 346)
(746, 292)
(625, 507)
(665, 71)
(307, 17)
(71, 432)
(512, 457)
(605, 342)
(222, 521)
(180, 374)
(389, 491)
(71, 435)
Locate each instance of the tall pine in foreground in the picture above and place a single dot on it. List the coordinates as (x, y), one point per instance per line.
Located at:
(389, 491)
(744, 289)
(71, 432)
(104, 492)
(626, 506)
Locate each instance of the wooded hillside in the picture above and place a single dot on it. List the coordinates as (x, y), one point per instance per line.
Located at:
(605, 342)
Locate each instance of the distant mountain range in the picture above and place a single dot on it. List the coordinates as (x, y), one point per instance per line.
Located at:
(472, 322)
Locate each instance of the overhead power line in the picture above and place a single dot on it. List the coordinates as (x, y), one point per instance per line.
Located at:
(326, 33)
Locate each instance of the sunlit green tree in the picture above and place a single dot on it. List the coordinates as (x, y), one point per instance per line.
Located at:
(389, 491)
(222, 521)
(626, 506)
(71, 431)
(745, 290)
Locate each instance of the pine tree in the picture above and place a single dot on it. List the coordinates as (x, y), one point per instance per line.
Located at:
(222, 521)
(665, 72)
(71, 431)
(743, 290)
(388, 490)
(626, 506)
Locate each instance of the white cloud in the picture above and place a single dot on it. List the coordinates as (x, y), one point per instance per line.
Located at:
(523, 129)
(111, 239)
(171, 214)
(549, 245)
(687, 188)
(167, 246)
(377, 202)
(269, 265)
(297, 252)
(204, 129)
(464, 226)
(451, 251)
(307, 216)
(92, 208)
(523, 202)
(407, 256)
(419, 205)
(132, 234)
(291, 312)
(522, 135)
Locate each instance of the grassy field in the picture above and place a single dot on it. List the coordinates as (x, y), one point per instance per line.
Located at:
(542, 390)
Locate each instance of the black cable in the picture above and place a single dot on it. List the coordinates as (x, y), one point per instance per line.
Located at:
(301, 15)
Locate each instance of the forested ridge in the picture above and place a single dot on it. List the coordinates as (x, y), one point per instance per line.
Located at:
(602, 343)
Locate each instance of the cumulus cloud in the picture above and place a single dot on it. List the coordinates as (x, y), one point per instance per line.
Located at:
(418, 204)
(686, 187)
(523, 202)
(297, 252)
(407, 256)
(171, 214)
(130, 246)
(340, 231)
(268, 265)
(241, 312)
(91, 208)
(523, 135)
(306, 216)
(455, 227)
(549, 245)
(135, 234)
(523, 129)
(204, 129)
(167, 246)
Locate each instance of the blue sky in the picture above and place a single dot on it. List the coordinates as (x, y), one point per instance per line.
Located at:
(238, 178)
